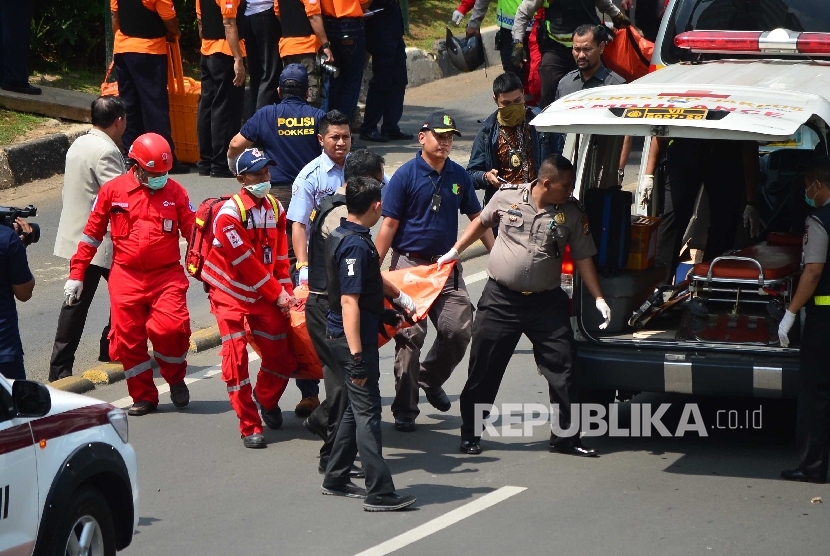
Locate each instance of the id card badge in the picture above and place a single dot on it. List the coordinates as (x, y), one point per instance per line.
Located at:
(436, 202)
(167, 225)
(266, 255)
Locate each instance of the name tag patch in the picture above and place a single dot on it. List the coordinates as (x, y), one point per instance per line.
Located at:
(167, 225)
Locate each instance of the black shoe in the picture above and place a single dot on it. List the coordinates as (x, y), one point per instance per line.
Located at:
(179, 394)
(574, 449)
(349, 490)
(404, 425)
(315, 430)
(799, 476)
(373, 136)
(141, 408)
(204, 172)
(439, 400)
(472, 447)
(221, 173)
(398, 136)
(25, 89)
(179, 168)
(272, 417)
(354, 473)
(387, 502)
(255, 441)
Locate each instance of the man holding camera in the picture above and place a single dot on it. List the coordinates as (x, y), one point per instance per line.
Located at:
(16, 282)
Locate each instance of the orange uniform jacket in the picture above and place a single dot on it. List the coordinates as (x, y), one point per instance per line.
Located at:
(144, 225)
(237, 263)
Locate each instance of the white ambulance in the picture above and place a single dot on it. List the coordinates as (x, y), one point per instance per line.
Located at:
(68, 475)
(712, 331)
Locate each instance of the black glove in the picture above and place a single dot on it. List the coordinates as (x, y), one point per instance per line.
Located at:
(391, 317)
(518, 54)
(356, 368)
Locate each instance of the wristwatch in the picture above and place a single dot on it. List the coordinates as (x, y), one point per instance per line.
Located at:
(326, 45)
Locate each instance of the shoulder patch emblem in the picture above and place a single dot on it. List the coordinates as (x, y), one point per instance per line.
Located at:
(586, 227)
(350, 264)
(234, 238)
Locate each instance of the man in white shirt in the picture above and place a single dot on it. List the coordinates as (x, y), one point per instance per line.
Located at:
(92, 160)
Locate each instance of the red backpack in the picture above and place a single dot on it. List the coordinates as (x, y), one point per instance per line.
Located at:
(201, 240)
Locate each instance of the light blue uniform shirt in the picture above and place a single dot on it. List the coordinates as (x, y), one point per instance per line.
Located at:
(319, 178)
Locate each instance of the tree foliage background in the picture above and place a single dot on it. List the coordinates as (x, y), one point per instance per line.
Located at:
(71, 33)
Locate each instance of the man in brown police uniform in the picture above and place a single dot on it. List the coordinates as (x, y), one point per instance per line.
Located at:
(522, 294)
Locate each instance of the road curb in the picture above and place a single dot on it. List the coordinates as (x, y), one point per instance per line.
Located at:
(106, 373)
(74, 384)
(36, 159)
(205, 339)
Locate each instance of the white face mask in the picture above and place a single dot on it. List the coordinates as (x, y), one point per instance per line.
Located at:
(259, 190)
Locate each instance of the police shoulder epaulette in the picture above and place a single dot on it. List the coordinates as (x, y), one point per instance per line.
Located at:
(577, 204)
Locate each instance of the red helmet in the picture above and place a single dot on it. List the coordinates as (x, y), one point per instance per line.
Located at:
(152, 152)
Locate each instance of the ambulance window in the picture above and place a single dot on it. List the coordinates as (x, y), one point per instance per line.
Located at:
(603, 160)
(741, 15)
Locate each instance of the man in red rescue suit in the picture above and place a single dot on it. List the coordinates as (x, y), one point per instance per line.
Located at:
(146, 213)
(247, 271)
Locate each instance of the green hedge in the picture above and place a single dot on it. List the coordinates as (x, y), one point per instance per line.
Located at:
(71, 33)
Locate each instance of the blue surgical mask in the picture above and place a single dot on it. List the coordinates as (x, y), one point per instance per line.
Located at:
(157, 182)
(259, 190)
(811, 202)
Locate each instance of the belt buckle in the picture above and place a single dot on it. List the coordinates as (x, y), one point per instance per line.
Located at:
(526, 293)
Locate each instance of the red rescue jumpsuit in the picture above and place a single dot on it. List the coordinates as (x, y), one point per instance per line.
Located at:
(147, 284)
(247, 269)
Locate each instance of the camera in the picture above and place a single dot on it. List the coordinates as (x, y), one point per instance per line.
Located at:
(9, 214)
(330, 69)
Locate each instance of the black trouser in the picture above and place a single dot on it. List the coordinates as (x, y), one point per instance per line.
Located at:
(14, 369)
(220, 111)
(262, 36)
(503, 316)
(504, 41)
(690, 163)
(556, 63)
(16, 24)
(814, 395)
(360, 427)
(384, 98)
(71, 323)
(142, 85)
(330, 412)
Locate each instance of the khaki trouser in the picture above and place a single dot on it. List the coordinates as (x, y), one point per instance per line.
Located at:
(452, 316)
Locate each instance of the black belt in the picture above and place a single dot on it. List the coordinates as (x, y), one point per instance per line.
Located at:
(420, 256)
(525, 294)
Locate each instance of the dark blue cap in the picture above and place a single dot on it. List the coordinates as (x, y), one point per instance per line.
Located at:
(294, 75)
(252, 160)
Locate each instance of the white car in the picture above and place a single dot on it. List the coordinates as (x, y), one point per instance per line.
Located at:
(68, 475)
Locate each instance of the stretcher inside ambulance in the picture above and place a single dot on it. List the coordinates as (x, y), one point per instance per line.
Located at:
(711, 318)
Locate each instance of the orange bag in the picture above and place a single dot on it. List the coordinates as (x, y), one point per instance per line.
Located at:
(422, 284)
(299, 342)
(629, 54)
(109, 88)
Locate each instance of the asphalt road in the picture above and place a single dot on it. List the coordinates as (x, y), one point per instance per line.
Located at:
(203, 493)
(467, 97)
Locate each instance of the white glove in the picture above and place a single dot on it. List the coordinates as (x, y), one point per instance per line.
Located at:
(784, 328)
(405, 302)
(303, 278)
(605, 310)
(752, 220)
(448, 257)
(285, 301)
(457, 17)
(646, 189)
(72, 291)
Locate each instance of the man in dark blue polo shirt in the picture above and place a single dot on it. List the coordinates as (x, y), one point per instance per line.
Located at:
(16, 281)
(420, 208)
(287, 132)
(356, 291)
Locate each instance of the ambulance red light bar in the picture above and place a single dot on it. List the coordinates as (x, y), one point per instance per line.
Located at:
(779, 41)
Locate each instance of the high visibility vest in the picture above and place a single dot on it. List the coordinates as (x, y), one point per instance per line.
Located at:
(506, 13)
(562, 17)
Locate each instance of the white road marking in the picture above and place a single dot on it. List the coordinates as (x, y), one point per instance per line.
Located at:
(444, 521)
(477, 277)
(163, 388)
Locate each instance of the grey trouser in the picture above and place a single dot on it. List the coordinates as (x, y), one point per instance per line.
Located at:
(452, 316)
